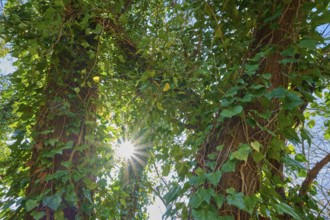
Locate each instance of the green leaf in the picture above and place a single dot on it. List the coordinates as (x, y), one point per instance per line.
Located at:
(308, 44)
(228, 166)
(205, 213)
(236, 199)
(202, 195)
(31, 204)
(196, 200)
(288, 52)
(148, 74)
(66, 164)
(250, 203)
(267, 76)
(37, 215)
(322, 19)
(284, 208)
(219, 147)
(302, 173)
(292, 101)
(212, 156)
(219, 200)
(121, 59)
(59, 3)
(52, 201)
(159, 106)
(293, 163)
(311, 123)
(172, 194)
(242, 153)
(251, 69)
(214, 178)
(166, 169)
(58, 174)
(257, 156)
(300, 158)
(278, 93)
(59, 214)
(275, 15)
(196, 180)
(227, 113)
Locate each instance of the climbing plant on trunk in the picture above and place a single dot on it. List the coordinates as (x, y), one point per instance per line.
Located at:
(218, 88)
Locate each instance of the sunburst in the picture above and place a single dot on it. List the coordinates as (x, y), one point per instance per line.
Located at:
(132, 155)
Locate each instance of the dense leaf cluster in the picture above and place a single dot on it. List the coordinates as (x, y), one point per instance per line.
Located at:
(214, 94)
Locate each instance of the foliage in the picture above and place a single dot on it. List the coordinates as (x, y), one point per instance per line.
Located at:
(213, 93)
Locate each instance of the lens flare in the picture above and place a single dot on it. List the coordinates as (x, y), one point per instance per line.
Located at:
(126, 150)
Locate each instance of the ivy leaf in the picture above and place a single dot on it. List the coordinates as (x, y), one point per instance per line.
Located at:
(214, 178)
(196, 200)
(235, 199)
(196, 180)
(308, 44)
(228, 166)
(257, 156)
(37, 215)
(242, 153)
(300, 158)
(255, 145)
(267, 76)
(200, 196)
(275, 15)
(219, 200)
(206, 213)
(278, 92)
(30, 204)
(59, 214)
(52, 201)
(227, 113)
(292, 101)
(250, 203)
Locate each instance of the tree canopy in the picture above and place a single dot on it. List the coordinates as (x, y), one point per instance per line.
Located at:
(210, 103)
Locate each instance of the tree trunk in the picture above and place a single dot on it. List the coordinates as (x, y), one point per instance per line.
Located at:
(60, 168)
(236, 131)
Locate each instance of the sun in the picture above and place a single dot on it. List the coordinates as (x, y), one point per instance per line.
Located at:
(126, 150)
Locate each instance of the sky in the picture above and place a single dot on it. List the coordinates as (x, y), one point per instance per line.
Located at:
(6, 66)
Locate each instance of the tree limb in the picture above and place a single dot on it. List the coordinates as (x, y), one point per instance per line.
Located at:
(312, 174)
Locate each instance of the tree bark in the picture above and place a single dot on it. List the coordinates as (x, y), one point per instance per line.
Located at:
(312, 174)
(235, 131)
(59, 162)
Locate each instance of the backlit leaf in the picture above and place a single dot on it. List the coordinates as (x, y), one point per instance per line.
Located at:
(166, 87)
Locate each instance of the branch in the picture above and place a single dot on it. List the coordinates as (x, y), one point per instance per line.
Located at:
(312, 174)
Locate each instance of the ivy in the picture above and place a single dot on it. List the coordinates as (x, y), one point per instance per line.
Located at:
(219, 99)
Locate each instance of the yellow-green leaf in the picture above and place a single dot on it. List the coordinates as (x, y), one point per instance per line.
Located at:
(166, 87)
(255, 145)
(96, 79)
